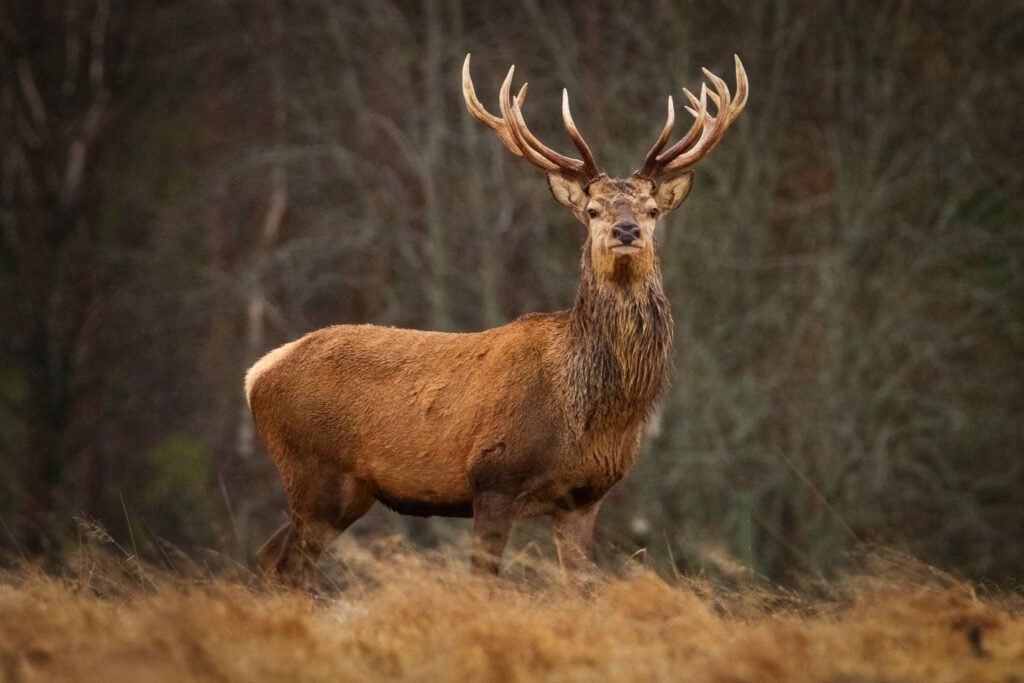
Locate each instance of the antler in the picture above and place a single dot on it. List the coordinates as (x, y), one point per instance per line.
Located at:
(512, 131)
(706, 130)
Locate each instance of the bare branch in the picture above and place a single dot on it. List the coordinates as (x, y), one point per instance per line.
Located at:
(98, 40)
(34, 101)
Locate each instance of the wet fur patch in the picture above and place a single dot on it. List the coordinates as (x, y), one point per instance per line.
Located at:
(620, 341)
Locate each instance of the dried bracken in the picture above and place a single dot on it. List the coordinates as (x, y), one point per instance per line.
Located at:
(417, 618)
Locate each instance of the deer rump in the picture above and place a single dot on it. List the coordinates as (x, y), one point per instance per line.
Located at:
(423, 419)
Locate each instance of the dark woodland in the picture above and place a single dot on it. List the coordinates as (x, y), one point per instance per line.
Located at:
(185, 185)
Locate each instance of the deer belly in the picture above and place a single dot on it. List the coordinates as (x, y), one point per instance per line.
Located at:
(422, 483)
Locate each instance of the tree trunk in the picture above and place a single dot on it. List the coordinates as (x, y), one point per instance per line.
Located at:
(61, 116)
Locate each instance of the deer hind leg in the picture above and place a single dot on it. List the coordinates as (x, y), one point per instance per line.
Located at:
(319, 516)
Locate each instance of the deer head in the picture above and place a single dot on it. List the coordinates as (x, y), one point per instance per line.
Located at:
(620, 214)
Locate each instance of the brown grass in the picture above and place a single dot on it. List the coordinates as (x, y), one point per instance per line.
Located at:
(399, 615)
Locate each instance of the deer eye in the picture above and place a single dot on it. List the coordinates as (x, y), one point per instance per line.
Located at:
(653, 213)
(592, 213)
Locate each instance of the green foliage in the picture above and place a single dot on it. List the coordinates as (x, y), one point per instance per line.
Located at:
(173, 494)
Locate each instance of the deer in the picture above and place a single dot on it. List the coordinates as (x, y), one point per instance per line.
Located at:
(538, 417)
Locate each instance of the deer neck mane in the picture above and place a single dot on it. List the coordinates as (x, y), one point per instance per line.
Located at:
(619, 340)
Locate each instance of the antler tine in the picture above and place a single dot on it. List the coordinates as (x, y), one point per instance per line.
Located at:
(742, 89)
(670, 120)
(589, 166)
(654, 160)
(700, 117)
(694, 100)
(472, 101)
(712, 132)
(479, 112)
(513, 132)
(706, 131)
(523, 133)
(723, 99)
(508, 117)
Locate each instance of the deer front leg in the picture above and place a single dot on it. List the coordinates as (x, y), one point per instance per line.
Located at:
(492, 521)
(574, 537)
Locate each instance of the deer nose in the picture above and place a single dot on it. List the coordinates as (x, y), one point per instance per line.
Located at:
(626, 232)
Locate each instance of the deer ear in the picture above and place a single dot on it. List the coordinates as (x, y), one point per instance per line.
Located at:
(568, 192)
(671, 193)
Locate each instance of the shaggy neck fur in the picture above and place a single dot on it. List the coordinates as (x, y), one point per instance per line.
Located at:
(620, 336)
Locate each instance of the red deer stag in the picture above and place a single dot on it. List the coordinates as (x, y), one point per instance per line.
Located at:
(541, 416)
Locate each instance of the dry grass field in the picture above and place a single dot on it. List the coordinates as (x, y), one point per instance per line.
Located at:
(392, 614)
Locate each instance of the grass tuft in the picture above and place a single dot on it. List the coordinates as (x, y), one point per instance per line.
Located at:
(386, 612)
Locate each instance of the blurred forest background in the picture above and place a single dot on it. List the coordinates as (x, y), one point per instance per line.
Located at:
(185, 185)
